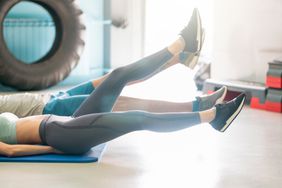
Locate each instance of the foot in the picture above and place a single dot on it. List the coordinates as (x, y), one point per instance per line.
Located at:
(193, 36)
(191, 59)
(226, 113)
(208, 101)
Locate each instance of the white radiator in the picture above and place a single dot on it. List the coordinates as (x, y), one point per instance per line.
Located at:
(29, 39)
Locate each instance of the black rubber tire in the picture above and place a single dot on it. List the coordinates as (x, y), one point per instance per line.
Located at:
(61, 59)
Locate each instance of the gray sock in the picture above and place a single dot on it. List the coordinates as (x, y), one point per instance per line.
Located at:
(207, 102)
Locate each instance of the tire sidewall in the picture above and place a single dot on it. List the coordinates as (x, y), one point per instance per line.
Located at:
(61, 59)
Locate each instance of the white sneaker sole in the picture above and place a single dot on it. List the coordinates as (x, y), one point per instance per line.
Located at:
(199, 30)
(234, 115)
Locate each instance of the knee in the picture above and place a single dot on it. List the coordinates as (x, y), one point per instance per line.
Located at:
(122, 73)
(119, 72)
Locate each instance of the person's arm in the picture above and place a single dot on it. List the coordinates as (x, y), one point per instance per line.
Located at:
(25, 150)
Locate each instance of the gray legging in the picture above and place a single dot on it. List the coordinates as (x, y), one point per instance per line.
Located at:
(94, 123)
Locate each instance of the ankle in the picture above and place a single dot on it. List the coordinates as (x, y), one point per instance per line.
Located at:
(177, 46)
(182, 41)
(208, 115)
(195, 106)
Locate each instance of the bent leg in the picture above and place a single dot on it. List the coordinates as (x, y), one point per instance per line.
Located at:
(79, 135)
(128, 103)
(66, 106)
(201, 103)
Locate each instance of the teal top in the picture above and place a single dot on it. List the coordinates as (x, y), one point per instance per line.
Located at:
(8, 128)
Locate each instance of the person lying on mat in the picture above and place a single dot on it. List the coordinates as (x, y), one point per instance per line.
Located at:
(94, 122)
(65, 103)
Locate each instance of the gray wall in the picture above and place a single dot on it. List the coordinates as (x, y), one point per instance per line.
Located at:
(247, 35)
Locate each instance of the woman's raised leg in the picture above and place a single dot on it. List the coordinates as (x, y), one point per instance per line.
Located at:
(105, 95)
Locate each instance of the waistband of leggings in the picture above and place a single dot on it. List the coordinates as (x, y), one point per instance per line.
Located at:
(42, 131)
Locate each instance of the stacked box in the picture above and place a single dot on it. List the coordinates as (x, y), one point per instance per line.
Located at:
(274, 100)
(274, 84)
(274, 74)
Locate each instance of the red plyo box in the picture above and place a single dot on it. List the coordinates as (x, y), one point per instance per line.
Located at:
(274, 82)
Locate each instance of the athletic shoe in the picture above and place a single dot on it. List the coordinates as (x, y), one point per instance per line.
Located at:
(208, 101)
(226, 113)
(191, 59)
(194, 36)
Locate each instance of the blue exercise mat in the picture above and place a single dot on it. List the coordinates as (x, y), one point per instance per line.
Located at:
(6, 88)
(92, 156)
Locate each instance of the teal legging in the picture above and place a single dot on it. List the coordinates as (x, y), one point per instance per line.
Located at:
(94, 123)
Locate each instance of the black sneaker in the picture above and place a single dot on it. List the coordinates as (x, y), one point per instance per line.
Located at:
(227, 112)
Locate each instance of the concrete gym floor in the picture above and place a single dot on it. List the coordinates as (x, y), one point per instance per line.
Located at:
(247, 155)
